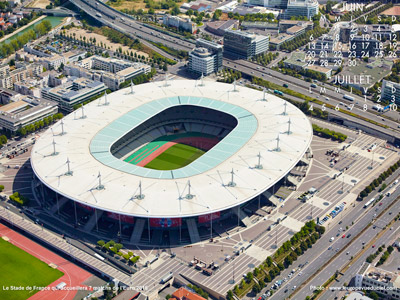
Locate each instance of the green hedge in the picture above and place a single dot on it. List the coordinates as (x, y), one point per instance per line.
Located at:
(18, 198)
(327, 133)
(377, 181)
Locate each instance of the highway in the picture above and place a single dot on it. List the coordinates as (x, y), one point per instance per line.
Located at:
(303, 87)
(354, 266)
(344, 257)
(125, 24)
(324, 250)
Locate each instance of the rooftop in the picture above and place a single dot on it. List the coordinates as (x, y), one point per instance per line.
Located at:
(88, 140)
(184, 294)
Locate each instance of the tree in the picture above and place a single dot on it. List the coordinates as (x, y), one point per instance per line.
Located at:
(249, 277)
(373, 295)
(1, 188)
(217, 14)
(101, 243)
(168, 296)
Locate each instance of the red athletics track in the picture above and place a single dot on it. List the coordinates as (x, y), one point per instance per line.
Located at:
(73, 275)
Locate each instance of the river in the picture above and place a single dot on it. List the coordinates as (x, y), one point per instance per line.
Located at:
(54, 21)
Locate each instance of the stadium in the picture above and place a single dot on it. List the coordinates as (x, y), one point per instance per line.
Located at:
(164, 162)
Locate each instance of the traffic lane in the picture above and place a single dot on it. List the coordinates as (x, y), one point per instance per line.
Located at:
(355, 266)
(344, 257)
(334, 98)
(315, 264)
(92, 8)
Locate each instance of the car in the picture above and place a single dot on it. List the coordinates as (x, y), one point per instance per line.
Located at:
(373, 246)
(338, 234)
(343, 236)
(380, 204)
(337, 250)
(349, 235)
(347, 253)
(294, 287)
(363, 243)
(383, 119)
(330, 247)
(331, 239)
(341, 103)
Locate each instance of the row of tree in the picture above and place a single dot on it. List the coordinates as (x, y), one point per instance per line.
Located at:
(229, 75)
(303, 39)
(303, 106)
(39, 124)
(115, 249)
(265, 58)
(139, 79)
(282, 258)
(17, 43)
(385, 256)
(329, 134)
(377, 181)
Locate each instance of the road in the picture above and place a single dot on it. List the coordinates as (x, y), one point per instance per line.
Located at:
(124, 23)
(303, 87)
(385, 239)
(319, 254)
(344, 257)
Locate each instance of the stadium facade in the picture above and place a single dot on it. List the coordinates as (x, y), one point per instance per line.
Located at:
(164, 157)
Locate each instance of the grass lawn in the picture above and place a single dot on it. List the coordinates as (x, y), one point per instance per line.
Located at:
(19, 268)
(175, 157)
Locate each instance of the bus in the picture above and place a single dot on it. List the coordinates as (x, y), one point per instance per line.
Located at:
(369, 203)
(347, 97)
(166, 278)
(278, 92)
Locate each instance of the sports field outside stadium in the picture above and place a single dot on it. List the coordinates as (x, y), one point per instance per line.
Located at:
(172, 152)
(19, 268)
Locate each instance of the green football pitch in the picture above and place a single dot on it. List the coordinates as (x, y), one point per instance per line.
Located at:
(175, 157)
(19, 268)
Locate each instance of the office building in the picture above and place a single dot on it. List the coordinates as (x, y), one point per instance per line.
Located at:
(184, 24)
(215, 49)
(390, 91)
(243, 44)
(112, 72)
(25, 111)
(363, 47)
(201, 61)
(385, 283)
(281, 4)
(276, 42)
(219, 27)
(284, 25)
(75, 91)
(301, 8)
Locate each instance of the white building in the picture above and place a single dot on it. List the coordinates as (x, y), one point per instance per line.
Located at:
(74, 91)
(390, 91)
(301, 8)
(386, 284)
(25, 111)
(180, 23)
(201, 61)
(53, 62)
(112, 72)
